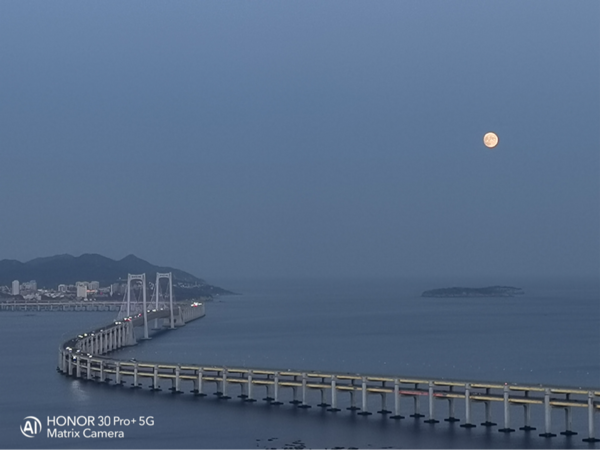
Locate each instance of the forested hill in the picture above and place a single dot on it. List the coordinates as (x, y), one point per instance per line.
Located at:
(51, 271)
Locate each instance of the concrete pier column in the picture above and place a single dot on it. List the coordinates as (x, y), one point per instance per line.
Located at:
(155, 382)
(177, 380)
(451, 417)
(396, 401)
(89, 369)
(333, 407)
(249, 390)
(323, 403)
(416, 407)
(384, 409)
(568, 422)
(198, 389)
(591, 436)
(527, 416)
(304, 404)
(78, 367)
(547, 416)
(295, 400)
(507, 428)
(488, 412)
(136, 383)
(353, 406)
(118, 381)
(468, 423)
(70, 356)
(60, 360)
(276, 390)
(224, 395)
(101, 379)
(364, 411)
(431, 400)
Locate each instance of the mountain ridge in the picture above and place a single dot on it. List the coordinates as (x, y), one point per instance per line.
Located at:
(50, 271)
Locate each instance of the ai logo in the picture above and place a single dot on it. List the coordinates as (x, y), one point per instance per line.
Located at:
(31, 427)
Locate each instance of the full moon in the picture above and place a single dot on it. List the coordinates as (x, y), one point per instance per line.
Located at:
(490, 140)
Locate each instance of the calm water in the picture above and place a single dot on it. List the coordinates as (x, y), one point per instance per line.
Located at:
(550, 336)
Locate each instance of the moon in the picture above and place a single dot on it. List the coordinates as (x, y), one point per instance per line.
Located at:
(490, 139)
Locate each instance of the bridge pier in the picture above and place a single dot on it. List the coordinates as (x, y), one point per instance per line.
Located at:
(198, 385)
(224, 386)
(364, 411)
(323, 403)
(334, 407)
(78, 367)
(396, 400)
(527, 416)
(507, 428)
(488, 412)
(177, 387)
(276, 401)
(451, 417)
(568, 422)
(431, 400)
(547, 416)
(249, 395)
(304, 405)
(383, 409)
(353, 406)
(118, 381)
(591, 435)
(295, 400)
(155, 386)
(468, 423)
(136, 384)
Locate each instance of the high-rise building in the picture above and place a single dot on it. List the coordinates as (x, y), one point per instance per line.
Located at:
(94, 285)
(81, 289)
(16, 288)
(62, 288)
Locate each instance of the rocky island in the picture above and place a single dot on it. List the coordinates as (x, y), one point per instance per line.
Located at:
(461, 292)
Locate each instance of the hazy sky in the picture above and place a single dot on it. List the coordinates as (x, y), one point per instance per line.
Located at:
(339, 138)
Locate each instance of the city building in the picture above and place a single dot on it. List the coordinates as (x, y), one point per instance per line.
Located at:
(62, 288)
(94, 285)
(81, 289)
(16, 288)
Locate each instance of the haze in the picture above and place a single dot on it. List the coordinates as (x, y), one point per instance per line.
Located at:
(312, 139)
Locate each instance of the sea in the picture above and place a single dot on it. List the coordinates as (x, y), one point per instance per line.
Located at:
(549, 336)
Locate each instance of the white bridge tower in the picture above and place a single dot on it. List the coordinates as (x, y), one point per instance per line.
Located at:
(135, 303)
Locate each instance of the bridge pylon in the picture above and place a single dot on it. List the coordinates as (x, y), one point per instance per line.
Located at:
(132, 306)
(157, 295)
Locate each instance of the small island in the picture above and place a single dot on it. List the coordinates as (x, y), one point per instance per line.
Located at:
(461, 292)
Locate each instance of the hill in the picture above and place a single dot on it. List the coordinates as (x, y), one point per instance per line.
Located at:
(492, 291)
(51, 271)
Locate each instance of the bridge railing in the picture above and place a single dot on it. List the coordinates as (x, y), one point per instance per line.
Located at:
(84, 357)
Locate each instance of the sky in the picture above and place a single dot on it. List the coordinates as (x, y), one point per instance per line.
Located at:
(304, 139)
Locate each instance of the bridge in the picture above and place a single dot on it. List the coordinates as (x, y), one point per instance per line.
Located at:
(86, 356)
(60, 306)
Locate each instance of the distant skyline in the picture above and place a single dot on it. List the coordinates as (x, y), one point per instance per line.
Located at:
(329, 139)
